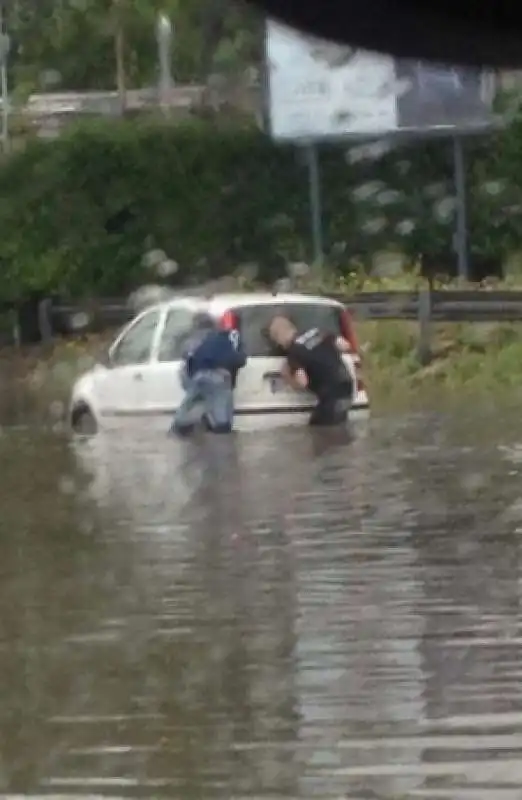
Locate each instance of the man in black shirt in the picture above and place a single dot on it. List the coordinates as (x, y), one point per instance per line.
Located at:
(314, 362)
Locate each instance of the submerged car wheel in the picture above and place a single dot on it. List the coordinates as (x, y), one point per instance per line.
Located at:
(83, 421)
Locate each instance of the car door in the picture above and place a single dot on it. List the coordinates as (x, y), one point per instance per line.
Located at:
(163, 391)
(121, 389)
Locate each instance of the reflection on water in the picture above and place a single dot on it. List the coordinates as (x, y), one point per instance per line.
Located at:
(270, 615)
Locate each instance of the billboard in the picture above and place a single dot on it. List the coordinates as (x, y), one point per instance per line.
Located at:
(320, 90)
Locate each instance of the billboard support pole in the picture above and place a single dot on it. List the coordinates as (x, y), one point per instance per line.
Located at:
(4, 89)
(461, 231)
(314, 183)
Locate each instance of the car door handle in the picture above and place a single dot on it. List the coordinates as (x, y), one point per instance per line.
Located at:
(138, 376)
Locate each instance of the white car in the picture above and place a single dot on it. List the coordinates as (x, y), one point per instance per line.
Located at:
(142, 373)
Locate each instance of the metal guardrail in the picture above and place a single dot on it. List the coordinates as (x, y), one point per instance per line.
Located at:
(71, 319)
(473, 305)
(467, 305)
(425, 307)
(49, 104)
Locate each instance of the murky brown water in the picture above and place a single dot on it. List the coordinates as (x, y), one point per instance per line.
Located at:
(266, 616)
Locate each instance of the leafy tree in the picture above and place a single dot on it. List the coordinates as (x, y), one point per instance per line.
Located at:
(99, 44)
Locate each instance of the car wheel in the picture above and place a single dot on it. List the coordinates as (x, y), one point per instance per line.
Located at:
(83, 421)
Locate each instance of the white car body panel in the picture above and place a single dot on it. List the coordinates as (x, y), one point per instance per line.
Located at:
(154, 387)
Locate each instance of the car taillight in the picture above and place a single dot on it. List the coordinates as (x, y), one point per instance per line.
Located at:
(348, 333)
(229, 321)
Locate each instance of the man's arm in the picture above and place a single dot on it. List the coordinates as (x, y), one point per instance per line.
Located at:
(191, 344)
(339, 342)
(295, 376)
(342, 345)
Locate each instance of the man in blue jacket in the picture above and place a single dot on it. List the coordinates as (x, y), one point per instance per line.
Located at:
(212, 358)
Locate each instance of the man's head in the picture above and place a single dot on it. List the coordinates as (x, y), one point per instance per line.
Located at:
(281, 331)
(203, 322)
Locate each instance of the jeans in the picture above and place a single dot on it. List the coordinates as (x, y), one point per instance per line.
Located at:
(208, 397)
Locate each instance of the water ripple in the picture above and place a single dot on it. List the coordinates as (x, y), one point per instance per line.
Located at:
(283, 615)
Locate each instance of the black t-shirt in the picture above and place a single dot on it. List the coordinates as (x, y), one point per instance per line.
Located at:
(316, 353)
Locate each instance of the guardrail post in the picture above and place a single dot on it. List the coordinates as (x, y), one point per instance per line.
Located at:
(424, 353)
(461, 231)
(44, 320)
(314, 187)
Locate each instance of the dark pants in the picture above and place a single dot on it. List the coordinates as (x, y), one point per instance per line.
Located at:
(333, 406)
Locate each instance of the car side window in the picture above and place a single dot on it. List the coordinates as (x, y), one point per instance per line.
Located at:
(135, 346)
(178, 324)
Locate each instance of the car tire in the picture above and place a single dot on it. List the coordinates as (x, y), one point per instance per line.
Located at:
(83, 421)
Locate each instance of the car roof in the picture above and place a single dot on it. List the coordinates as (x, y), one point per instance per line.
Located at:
(219, 303)
(225, 301)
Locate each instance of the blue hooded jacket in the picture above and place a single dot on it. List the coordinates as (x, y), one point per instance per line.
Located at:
(214, 349)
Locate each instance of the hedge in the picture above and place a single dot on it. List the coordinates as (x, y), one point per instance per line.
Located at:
(77, 213)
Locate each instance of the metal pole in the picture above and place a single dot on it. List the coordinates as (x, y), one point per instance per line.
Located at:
(4, 89)
(461, 230)
(315, 202)
(164, 33)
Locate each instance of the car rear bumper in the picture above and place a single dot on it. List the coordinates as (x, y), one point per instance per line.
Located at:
(255, 417)
(248, 421)
(359, 403)
(288, 411)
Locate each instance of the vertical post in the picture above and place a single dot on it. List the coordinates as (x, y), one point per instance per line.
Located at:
(4, 89)
(461, 230)
(119, 55)
(5, 109)
(424, 317)
(164, 33)
(45, 325)
(314, 183)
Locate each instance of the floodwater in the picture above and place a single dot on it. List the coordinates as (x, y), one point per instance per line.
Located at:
(278, 614)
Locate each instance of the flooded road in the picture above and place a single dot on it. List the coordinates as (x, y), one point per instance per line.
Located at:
(278, 614)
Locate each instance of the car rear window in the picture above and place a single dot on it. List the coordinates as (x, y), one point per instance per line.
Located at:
(254, 319)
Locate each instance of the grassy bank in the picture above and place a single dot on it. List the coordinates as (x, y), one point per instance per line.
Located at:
(468, 359)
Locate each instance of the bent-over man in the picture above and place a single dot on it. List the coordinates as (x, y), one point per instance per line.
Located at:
(212, 358)
(314, 362)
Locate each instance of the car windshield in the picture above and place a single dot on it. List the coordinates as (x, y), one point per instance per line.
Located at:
(254, 319)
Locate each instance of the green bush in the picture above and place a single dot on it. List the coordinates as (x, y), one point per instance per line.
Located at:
(215, 195)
